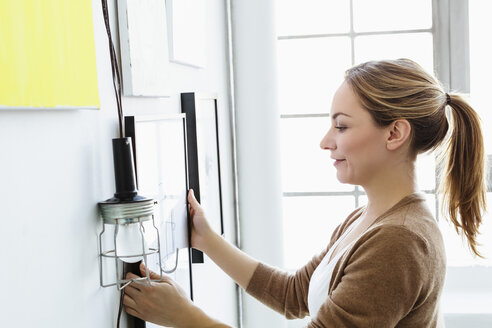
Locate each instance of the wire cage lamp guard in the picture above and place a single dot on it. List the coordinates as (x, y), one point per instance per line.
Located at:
(120, 282)
(128, 211)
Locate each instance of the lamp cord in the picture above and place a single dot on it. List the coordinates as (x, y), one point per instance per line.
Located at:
(117, 91)
(114, 67)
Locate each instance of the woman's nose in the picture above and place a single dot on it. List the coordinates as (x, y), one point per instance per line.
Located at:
(327, 142)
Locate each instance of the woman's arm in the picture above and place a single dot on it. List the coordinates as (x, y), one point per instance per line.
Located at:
(229, 258)
(284, 292)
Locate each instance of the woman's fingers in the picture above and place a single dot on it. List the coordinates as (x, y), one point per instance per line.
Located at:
(131, 311)
(133, 285)
(131, 275)
(128, 301)
(191, 199)
(132, 290)
(164, 303)
(153, 275)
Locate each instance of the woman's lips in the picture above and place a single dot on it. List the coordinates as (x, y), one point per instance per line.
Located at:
(338, 161)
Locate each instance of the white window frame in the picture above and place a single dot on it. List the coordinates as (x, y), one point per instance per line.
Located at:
(451, 44)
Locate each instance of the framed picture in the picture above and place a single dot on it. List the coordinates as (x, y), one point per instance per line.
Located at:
(144, 48)
(160, 156)
(204, 157)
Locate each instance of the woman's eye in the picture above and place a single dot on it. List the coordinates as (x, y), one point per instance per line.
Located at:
(341, 128)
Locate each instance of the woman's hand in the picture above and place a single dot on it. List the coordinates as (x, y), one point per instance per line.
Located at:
(201, 232)
(164, 303)
(233, 261)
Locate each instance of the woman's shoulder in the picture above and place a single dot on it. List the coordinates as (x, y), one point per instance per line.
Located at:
(415, 217)
(411, 232)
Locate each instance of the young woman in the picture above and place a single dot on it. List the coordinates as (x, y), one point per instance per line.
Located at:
(385, 264)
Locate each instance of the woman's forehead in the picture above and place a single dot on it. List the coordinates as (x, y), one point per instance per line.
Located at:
(345, 103)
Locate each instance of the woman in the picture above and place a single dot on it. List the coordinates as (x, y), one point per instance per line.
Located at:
(385, 264)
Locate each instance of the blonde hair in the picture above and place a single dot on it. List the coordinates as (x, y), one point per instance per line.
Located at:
(402, 89)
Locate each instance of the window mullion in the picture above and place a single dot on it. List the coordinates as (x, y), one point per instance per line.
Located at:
(451, 44)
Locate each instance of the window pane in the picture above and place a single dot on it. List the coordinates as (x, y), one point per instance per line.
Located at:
(305, 166)
(312, 17)
(310, 71)
(309, 223)
(384, 15)
(415, 46)
(426, 171)
(457, 250)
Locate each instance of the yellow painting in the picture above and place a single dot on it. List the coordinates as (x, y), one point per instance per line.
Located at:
(47, 54)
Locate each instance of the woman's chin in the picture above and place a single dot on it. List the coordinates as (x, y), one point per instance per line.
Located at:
(344, 179)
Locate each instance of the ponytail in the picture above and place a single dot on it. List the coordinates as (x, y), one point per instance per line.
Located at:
(463, 171)
(402, 89)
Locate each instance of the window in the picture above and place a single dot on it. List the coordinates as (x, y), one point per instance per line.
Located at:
(317, 42)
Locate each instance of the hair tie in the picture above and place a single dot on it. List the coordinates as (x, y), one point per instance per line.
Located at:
(448, 99)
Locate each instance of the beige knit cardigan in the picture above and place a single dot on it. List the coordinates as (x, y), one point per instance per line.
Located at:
(392, 276)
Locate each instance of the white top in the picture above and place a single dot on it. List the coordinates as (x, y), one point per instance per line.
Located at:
(320, 280)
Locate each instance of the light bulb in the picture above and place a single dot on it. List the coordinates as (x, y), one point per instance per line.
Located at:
(129, 242)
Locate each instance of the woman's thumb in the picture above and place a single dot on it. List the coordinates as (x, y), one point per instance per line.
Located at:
(152, 274)
(191, 197)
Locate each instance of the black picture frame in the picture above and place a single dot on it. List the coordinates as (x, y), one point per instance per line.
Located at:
(204, 157)
(167, 129)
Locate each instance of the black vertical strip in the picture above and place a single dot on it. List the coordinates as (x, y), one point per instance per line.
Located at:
(185, 142)
(114, 67)
(133, 322)
(188, 106)
(130, 132)
(218, 165)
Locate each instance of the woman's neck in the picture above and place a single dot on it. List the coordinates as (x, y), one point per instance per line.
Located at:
(388, 190)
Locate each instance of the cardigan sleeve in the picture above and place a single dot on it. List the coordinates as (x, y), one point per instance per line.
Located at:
(285, 292)
(382, 281)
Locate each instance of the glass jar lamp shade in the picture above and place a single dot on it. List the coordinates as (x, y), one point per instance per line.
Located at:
(129, 233)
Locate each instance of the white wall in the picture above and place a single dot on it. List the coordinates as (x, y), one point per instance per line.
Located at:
(56, 165)
(258, 143)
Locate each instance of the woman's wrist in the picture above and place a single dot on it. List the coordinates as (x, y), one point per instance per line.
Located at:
(210, 242)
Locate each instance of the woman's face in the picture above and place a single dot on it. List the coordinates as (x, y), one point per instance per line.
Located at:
(357, 144)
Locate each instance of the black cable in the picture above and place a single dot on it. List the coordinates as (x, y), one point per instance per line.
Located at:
(114, 67)
(117, 90)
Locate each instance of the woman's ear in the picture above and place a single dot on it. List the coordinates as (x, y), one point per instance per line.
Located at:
(398, 133)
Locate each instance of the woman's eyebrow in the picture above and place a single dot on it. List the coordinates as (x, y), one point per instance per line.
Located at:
(334, 116)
